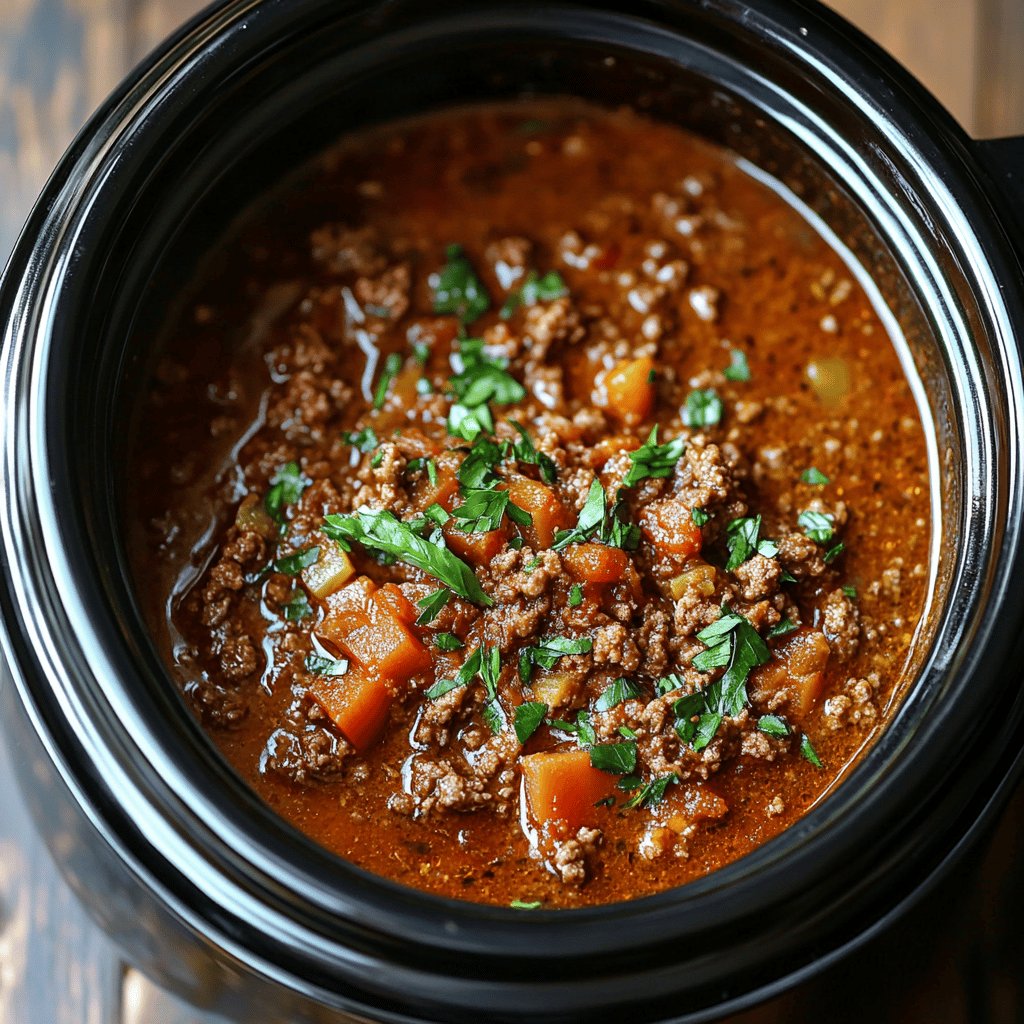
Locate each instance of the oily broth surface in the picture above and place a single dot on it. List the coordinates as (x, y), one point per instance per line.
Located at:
(540, 170)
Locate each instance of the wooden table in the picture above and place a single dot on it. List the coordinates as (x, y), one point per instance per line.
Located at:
(958, 958)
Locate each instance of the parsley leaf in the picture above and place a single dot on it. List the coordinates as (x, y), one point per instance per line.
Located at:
(392, 365)
(813, 475)
(548, 651)
(535, 289)
(528, 719)
(596, 521)
(318, 665)
(619, 691)
(772, 725)
(524, 451)
(582, 729)
(288, 485)
(699, 517)
(381, 531)
(817, 526)
(481, 380)
(482, 511)
(365, 440)
(477, 468)
(653, 792)
(741, 538)
(787, 625)
(292, 565)
(298, 607)
(432, 605)
(652, 459)
(486, 662)
(834, 552)
(526, 904)
(448, 642)
(615, 758)
(575, 595)
(738, 368)
(457, 289)
(807, 751)
(850, 592)
(703, 408)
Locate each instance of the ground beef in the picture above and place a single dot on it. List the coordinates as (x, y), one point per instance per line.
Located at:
(841, 623)
(570, 859)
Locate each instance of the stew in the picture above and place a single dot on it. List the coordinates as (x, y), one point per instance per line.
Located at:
(533, 505)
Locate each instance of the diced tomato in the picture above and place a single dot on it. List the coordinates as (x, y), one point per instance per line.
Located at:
(627, 390)
(367, 627)
(596, 563)
(357, 704)
(477, 548)
(798, 665)
(669, 526)
(549, 514)
(563, 786)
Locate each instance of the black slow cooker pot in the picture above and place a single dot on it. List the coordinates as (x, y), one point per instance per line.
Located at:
(204, 888)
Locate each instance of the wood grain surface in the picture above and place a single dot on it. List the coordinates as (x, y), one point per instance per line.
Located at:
(957, 958)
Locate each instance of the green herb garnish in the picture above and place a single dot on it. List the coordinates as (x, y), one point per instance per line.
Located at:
(392, 365)
(432, 605)
(742, 540)
(772, 725)
(298, 607)
(703, 408)
(699, 517)
(652, 459)
(620, 690)
(807, 751)
(787, 625)
(318, 665)
(379, 530)
(738, 368)
(548, 651)
(528, 719)
(575, 595)
(288, 485)
(481, 380)
(457, 289)
(535, 289)
(817, 526)
(813, 475)
(526, 904)
(448, 642)
(365, 440)
(614, 758)
(653, 792)
(292, 565)
(597, 522)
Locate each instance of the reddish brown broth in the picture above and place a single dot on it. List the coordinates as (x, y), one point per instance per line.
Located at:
(268, 365)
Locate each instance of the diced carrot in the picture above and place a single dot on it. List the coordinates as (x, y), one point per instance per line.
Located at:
(330, 572)
(370, 631)
(607, 447)
(549, 514)
(693, 804)
(357, 704)
(596, 563)
(669, 526)
(390, 596)
(477, 548)
(443, 491)
(563, 786)
(798, 665)
(627, 390)
(556, 688)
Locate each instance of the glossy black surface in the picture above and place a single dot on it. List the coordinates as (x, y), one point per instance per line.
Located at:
(204, 885)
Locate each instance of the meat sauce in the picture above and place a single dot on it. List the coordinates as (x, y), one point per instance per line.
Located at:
(541, 512)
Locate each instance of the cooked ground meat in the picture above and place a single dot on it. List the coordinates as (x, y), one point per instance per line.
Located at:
(458, 611)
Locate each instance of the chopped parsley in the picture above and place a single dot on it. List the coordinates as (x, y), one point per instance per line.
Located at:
(732, 642)
(292, 565)
(526, 904)
(486, 662)
(598, 522)
(318, 665)
(548, 651)
(431, 605)
(581, 729)
(533, 290)
(834, 552)
(813, 475)
(575, 595)
(288, 484)
(787, 625)
(653, 792)
(738, 368)
(525, 451)
(817, 526)
(807, 751)
(615, 758)
(742, 540)
(378, 458)
(652, 459)
(380, 530)
(619, 691)
(703, 408)
(528, 719)
(699, 517)
(850, 591)
(392, 365)
(365, 440)
(772, 725)
(483, 509)
(425, 465)
(448, 642)
(298, 607)
(481, 380)
(457, 289)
